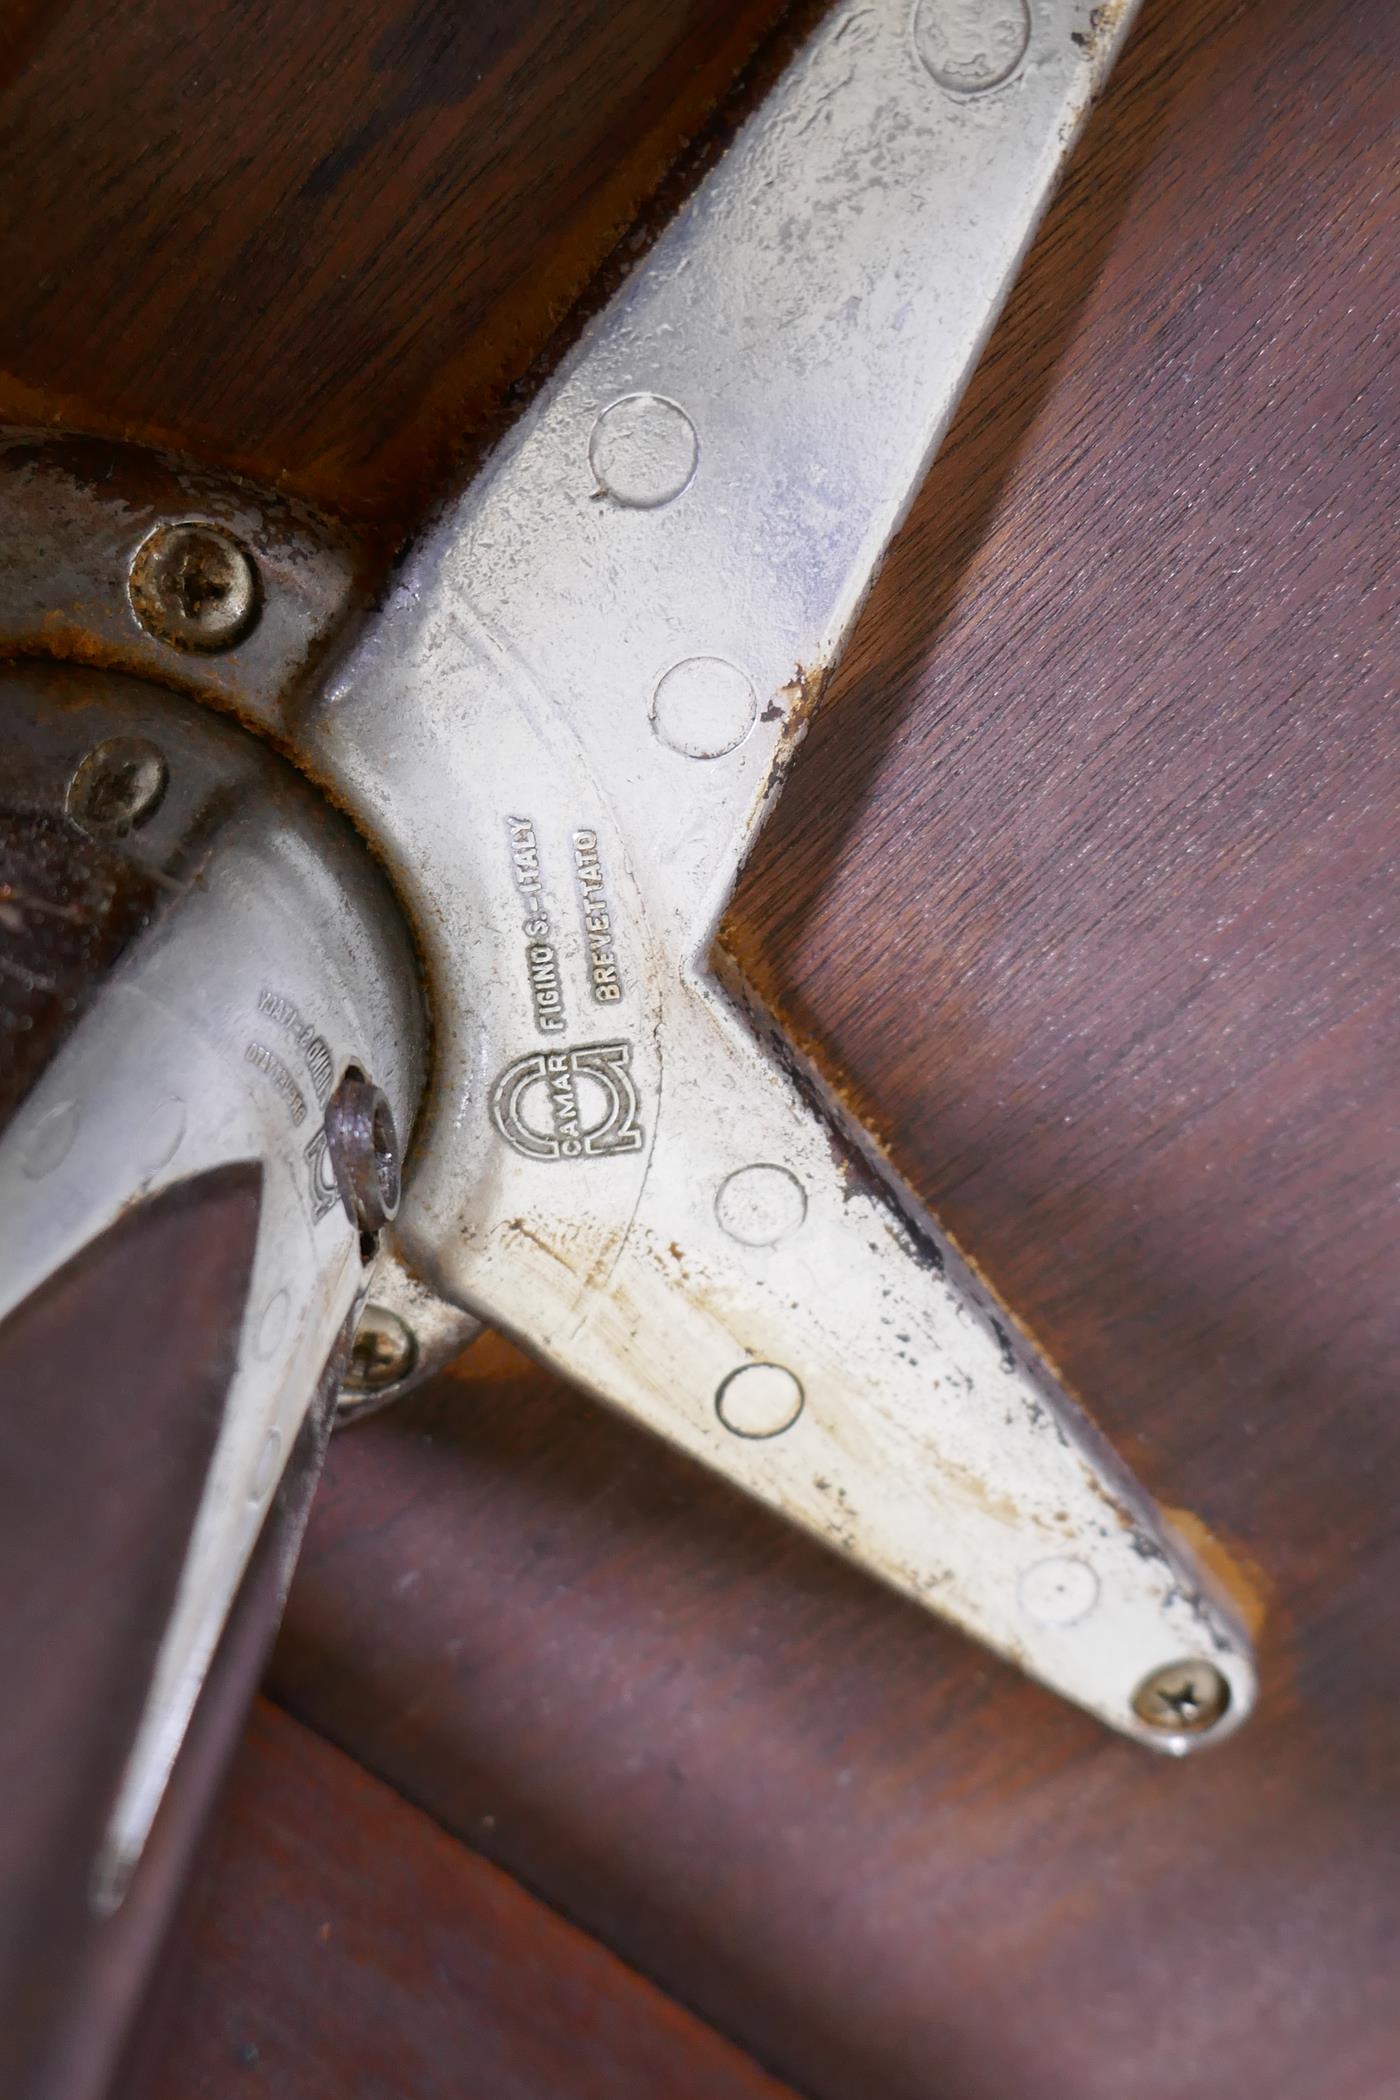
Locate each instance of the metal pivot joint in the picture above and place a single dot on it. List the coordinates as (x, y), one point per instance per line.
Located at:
(364, 1151)
(192, 947)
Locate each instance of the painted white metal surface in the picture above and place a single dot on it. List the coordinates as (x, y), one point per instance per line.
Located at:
(563, 732)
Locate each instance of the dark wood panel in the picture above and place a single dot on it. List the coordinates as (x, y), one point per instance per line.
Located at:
(344, 1948)
(314, 243)
(114, 1373)
(1086, 887)
(879, 1859)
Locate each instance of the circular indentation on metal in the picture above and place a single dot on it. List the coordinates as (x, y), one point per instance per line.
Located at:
(51, 1140)
(759, 1400)
(1182, 1698)
(703, 707)
(971, 45)
(273, 1324)
(118, 786)
(643, 451)
(364, 1150)
(164, 1135)
(265, 1475)
(192, 585)
(1059, 1591)
(760, 1205)
(382, 1355)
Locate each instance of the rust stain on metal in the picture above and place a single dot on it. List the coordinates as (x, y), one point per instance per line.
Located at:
(1244, 1582)
(1105, 22)
(73, 513)
(1097, 43)
(520, 1230)
(792, 705)
(979, 1492)
(88, 504)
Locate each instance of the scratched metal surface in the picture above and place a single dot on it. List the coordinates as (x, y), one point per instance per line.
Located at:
(564, 731)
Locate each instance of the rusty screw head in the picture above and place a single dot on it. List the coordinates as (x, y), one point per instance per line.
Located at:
(1182, 1698)
(364, 1150)
(194, 587)
(383, 1354)
(118, 786)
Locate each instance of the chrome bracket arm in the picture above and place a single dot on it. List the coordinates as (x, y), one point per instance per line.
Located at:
(563, 731)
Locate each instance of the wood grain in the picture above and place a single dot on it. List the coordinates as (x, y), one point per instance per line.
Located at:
(315, 243)
(1086, 889)
(346, 1949)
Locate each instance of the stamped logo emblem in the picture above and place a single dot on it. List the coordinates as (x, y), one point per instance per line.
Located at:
(569, 1104)
(321, 1181)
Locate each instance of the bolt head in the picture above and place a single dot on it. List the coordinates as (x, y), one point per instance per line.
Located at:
(118, 786)
(382, 1355)
(194, 587)
(1182, 1698)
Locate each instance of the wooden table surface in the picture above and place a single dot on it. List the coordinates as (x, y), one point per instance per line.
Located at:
(1122, 715)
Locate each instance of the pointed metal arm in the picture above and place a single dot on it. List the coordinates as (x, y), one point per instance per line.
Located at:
(564, 730)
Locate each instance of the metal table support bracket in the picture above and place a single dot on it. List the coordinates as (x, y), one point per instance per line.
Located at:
(563, 731)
